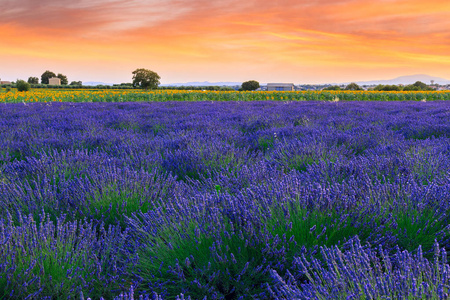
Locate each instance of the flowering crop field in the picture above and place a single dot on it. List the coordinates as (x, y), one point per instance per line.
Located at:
(224, 200)
(44, 95)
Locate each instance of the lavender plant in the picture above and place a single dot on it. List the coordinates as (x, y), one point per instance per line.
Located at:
(363, 273)
(59, 259)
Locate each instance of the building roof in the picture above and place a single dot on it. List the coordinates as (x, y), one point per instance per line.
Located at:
(281, 84)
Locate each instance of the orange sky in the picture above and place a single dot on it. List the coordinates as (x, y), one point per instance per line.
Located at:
(299, 41)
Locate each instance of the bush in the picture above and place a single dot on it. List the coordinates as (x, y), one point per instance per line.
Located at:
(23, 86)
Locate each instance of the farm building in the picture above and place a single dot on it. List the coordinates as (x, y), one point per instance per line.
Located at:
(54, 81)
(280, 86)
(5, 82)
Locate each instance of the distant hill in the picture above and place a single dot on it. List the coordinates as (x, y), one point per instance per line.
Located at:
(204, 83)
(94, 83)
(407, 80)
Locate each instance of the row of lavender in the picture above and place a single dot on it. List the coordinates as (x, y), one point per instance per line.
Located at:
(263, 200)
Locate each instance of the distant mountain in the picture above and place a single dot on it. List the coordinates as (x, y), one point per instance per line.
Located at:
(407, 80)
(94, 83)
(204, 83)
(410, 79)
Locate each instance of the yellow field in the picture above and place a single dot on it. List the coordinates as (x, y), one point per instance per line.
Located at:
(45, 95)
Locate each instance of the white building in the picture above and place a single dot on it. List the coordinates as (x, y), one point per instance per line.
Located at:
(54, 81)
(280, 87)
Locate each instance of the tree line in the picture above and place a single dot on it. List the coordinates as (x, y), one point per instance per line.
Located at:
(23, 86)
(417, 86)
(45, 77)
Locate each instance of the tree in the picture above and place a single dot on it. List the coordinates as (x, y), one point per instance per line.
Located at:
(46, 76)
(353, 87)
(145, 79)
(76, 83)
(22, 86)
(64, 80)
(387, 87)
(33, 80)
(422, 86)
(250, 85)
(411, 87)
(332, 88)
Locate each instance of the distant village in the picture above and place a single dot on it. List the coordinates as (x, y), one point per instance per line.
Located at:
(319, 87)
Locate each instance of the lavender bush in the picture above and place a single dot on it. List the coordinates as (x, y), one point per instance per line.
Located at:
(59, 259)
(223, 200)
(360, 273)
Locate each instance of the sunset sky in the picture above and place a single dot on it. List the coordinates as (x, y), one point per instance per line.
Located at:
(298, 41)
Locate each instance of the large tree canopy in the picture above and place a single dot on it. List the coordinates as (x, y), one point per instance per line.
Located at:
(250, 85)
(353, 87)
(145, 79)
(63, 78)
(46, 76)
(33, 80)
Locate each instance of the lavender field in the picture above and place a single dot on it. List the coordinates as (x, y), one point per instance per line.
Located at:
(225, 200)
